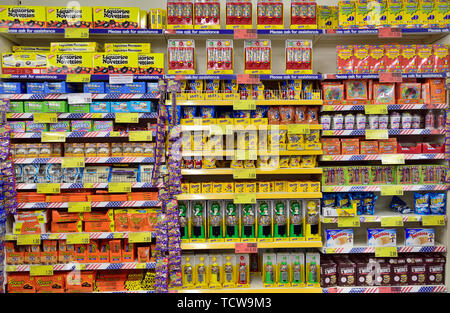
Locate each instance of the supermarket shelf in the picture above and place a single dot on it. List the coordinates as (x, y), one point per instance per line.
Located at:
(28, 116)
(262, 245)
(88, 185)
(256, 286)
(86, 266)
(96, 235)
(350, 107)
(127, 291)
(75, 135)
(94, 96)
(245, 127)
(229, 171)
(378, 188)
(262, 153)
(362, 132)
(92, 31)
(400, 249)
(93, 77)
(102, 204)
(376, 157)
(376, 76)
(259, 195)
(389, 289)
(258, 102)
(87, 160)
(377, 218)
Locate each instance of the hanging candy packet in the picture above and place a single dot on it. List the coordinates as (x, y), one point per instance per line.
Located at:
(189, 112)
(369, 203)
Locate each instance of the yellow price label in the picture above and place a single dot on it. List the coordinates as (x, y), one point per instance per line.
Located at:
(78, 78)
(393, 159)
(330, 250)
(79, 207)
(328, 132)
(41, 270)
(298, 129)
(141, 266)
(45, 118)
(80, 267)
(219, 130)
(114, 134)
(396, 190)
(327, 220)
(377, 134)
(97, 115)
(328, 108)
(244, 105)
(4, 30)
(244, 173)
(76, 33)
(243, 155)
(140, 237)
(117, 235)
(391, 221)
(140, 135)
(71, 162)
(53, 236)
(11, 268)
(349, 221)
(244, 198)
(386, 252)
(48, 188)
(119, 187)
(53, 137)
(29, 239)
(77, 239)
(127, 118)
(376, 109)
(433, 220)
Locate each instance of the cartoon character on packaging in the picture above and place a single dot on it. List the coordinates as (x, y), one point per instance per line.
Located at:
(198, 228)
(264, 221)
(280, 221)
(215, 221)
(312, 218)
(296, 219)
(183, 221)
(248, 222)
(231, 221)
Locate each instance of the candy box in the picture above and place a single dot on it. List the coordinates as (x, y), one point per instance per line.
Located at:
(116, 17)
(409, 93)
(35, 88)
(99, 226)
(59, 87)
(347, 14)
(427, 13)
(331, 146)
(139, 106)
(441, 58)
(411, 13)
(21, 283)
(115, 63)
(100, 106)
(339, 238)
(24, 63)
(376, 59)
(58, 106)
(119, 106)
(152, 88)
(378, 15)
(356, 90)
(136, 87)
(32, 127)
(384, 93)
(79, 108)
(437, 90)
(369, 147)
(17, 127)
(387, 146)
(325, 15)
(69, 63)
(442, 16)
(345, 59)
(81, 125)
(151, 63)
(392, 60)
(361, 59)
(50, 284)
(127, 47)
(328, 273)
(346, 273)
(350, 146)
(35, 106)
(11, 87)
(419, 237)
(408, 58)
(94, 87)
(424, 58)
(62, 17)
(103, 126)
(362, 14)
(395, 13)
(22, 16)
(381, 237)
(62, 126)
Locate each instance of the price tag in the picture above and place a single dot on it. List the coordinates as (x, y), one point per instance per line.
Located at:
(349, 221)
(244, 105)
(386, 252)
(246, 247)
(29, 239)
(79, 207)
(127, 117)
(433, 220)
(120, 79)
(140, 237)
(80, 267)
(77, 239)
(219, 130)
(298, 129)
(79, 98)
(252, 79)
(48, 188)
(4, 30)
(396, 190)
(45, 118)
(245, 34)
(114, 134)
(119, 187)
(330, 250)
(243, 155)
(376, 109)
(78, 78)
(388, 32)
(76, 33)
(244, 173)
(72, 162)
(377, 134)
(41, 270)
(243, 198)
(393, 159)
(390, 77)
(141, 265)
(137, 135)
(117, 235)
(53, 137)
(391, 221)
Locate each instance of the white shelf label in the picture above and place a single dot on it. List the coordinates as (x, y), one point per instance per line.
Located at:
(120, 79)
(79, 98)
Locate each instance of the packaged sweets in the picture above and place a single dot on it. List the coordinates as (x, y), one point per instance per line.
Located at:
(376, 59)
(286, 114)
(274, 115)
(419, 237)
(392, 58)
(400, 206)
(408, 58)
(381, 237)
(356, 89)
(344, 59)
(384, 93)
(333, 92)
(438, 203)
(361, 59)
(421, 203)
